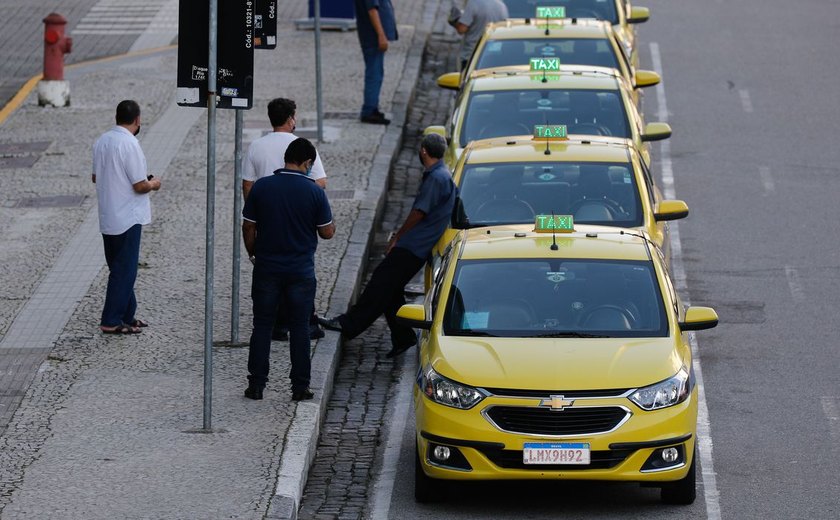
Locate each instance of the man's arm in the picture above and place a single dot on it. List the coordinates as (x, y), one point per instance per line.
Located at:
(377, 26)
(246, 188)
(411, 220)
(146, 186)
(249, 235)
(322, 182)
(461, 28)
(326, 231)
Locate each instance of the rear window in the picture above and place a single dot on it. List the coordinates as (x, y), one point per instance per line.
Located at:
(511, 112)
(600, 9)
(577, 51)
(555, 298)
(514, 193)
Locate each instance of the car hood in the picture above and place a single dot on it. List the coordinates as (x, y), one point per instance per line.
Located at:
(556, 363)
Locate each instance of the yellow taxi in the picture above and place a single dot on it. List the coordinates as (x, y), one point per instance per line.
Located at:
(597, 180)
(560, 355)
(620, 13)
(589, 100)
(572, 41)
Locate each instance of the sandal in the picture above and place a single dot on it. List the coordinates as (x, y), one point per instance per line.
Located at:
(120, 329)
(138, 323)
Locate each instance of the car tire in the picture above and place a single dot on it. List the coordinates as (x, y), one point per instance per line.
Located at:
(426, 488)
(683, 491)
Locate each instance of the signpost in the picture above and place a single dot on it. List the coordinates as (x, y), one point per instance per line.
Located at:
(265, 24)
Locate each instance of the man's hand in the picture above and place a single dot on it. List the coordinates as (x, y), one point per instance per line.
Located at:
(383, 43)
(155, 184)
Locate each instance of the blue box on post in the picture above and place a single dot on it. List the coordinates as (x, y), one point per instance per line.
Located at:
(335, 14)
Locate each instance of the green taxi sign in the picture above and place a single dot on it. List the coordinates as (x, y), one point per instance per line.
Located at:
(545, 64)
(550, 132)
(554, 224)
(551, 12)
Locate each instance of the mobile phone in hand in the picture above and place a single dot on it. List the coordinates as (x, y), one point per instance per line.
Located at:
(150, 177)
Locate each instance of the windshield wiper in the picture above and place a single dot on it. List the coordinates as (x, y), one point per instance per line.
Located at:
(469, 332)
(571, 335)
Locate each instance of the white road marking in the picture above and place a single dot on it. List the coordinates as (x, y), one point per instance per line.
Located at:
(746, 102)
(794, 284)
(109, 17)
(383, 487)
(832, 413)
(766, 179)
(704, 435)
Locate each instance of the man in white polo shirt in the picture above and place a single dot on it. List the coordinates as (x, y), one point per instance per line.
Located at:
(265, 156)
(122, 191)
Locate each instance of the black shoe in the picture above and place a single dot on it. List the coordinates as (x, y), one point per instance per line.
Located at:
(376, 118)
(254, 392)
(330, 323)
(396, 351)
(280, 335)
(315, 332)
(302, 395)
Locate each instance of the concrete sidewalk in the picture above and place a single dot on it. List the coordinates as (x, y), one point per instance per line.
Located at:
(103, 427)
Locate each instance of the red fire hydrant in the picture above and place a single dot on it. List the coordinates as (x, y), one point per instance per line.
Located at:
(53, 89)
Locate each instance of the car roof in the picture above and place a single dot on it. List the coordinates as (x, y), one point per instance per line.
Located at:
(526, 148)
(587, 241)
(517, 28)
(518, 77)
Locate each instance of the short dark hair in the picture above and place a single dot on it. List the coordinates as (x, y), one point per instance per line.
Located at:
(280, 110)
(434, 144)
(299, 151)
(127, 112)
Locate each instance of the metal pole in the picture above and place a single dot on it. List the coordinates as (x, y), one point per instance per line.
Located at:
(318, 101)
(237, 229)
(211, 209)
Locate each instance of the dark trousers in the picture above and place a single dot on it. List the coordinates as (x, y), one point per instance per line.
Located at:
(374, 75)
(121, 254)
(299, 295)
(281, 322)
(384, 295)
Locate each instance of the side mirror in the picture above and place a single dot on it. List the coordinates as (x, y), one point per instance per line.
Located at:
(638, 15)
(646, 78)
(459, 216)
(414, 316)
(656, 132)
(435, 129)
(670, 210)
(699, 318)
(450, 80)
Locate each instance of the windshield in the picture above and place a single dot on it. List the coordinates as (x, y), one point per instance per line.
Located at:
(600, 9)
(516, 112)
(555, 298)
(571, 51)
(594, 193)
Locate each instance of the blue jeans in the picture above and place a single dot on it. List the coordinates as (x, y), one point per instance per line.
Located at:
(374, 73)
(298, 294)
(121, 254)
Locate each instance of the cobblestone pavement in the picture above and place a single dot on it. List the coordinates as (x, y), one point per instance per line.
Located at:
(341, 479)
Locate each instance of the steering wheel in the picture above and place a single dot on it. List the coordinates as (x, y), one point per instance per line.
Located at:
(486, 130)
(590, 129)
(614, 207)
(588, 313)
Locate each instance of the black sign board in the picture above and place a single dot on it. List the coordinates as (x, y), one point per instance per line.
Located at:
(235, 56)
(265, 24)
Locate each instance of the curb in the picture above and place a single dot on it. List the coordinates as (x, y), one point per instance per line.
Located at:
(302, 438)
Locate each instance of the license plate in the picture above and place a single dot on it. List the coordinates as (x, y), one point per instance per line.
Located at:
(556, 453)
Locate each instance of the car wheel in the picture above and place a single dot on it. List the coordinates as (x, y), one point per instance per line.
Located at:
(426, 488)
(683, 491)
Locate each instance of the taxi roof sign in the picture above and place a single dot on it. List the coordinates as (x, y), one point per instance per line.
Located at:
(551, 12)
(551, 132)
(544, 64)
(554, 224)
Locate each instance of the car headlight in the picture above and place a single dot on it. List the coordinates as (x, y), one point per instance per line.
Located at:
(664, 394)
(446, 392)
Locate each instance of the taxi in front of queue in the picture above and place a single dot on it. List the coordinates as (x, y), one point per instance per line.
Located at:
(558, 353)
(597, 180)
(619, 13)
(572, 41)
(589, 100)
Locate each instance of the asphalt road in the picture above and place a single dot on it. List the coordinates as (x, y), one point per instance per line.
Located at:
(750, 89)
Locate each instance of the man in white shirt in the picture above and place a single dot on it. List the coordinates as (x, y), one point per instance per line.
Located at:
(472, 21)
(265, 156)
(122, 191)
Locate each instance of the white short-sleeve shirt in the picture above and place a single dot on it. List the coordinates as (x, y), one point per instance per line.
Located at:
(477, 14)
(266, 154)
(119, 163)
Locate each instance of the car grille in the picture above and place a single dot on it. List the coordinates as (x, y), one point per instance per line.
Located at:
(512, 459)
(544, 421)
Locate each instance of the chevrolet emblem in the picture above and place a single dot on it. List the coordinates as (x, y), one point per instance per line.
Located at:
(557, 402)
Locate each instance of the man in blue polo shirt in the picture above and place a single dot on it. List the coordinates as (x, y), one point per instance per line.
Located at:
(283, 217)
(407, 252)
(376, 25)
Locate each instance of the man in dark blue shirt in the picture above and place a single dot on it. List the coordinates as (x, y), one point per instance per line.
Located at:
(376, 25)
(407, 252)
(283, 217)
